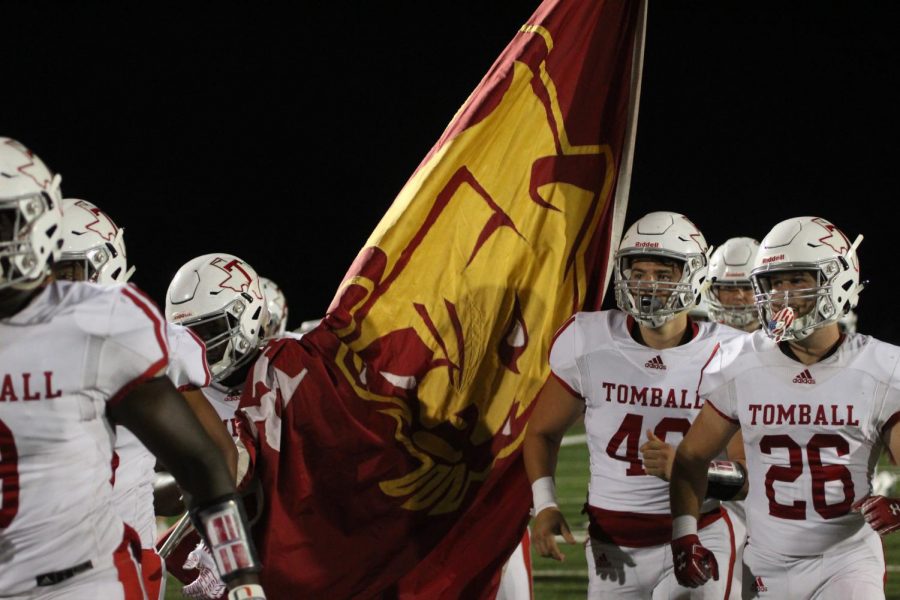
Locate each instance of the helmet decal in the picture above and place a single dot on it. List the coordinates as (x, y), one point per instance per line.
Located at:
(102, 225)
(28, 163)
(834, 237)
(238, 279)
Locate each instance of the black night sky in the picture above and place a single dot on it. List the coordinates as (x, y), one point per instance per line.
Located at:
(283, 134)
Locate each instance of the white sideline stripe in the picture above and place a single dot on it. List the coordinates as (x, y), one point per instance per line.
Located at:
(574, 440)
(584, 572)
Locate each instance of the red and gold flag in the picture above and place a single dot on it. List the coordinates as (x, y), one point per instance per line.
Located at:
(389, 438)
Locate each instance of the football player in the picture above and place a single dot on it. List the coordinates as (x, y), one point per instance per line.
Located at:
(93, 250)
(729, 300)
(220, 298)
(816, 407)
(633, 373)
(74, 360)
(729, 297)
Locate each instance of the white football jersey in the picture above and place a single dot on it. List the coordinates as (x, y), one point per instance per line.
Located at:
(225, 404)
(135, 472)
(629, 388)
(812, 434)
(74, 350)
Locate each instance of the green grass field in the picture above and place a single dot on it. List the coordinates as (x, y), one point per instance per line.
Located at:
(568, 580)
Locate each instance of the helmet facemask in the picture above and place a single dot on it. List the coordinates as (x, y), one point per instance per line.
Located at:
(92, 265)
(227, 349)
(654, 301)
(26, 250)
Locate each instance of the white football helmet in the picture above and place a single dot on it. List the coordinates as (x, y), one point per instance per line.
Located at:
(92, 239)
(665, 236)
(729, 267)
(219, 297)
(30, 215)
(814, 245)
(276, 302)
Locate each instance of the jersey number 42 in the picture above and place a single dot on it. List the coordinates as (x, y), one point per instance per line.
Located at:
(629, 435)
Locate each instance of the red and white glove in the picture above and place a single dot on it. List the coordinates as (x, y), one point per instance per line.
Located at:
(694, 564)
(882, 513)
(208, 585)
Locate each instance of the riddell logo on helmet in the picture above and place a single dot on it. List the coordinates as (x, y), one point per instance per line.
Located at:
(773, 259)
(646, 244)
(182, 315)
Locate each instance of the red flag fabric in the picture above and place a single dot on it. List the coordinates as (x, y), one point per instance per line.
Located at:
(389, 437)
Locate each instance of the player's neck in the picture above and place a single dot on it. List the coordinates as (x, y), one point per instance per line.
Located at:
(670, 334)
(234, 383)
(820, 344)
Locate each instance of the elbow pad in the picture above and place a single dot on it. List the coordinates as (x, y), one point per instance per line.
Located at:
(223, 526)
(725, 479)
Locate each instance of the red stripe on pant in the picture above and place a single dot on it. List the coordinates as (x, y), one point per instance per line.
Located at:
(727, 519)
(127, 560)
(152, 573)
(526, 556)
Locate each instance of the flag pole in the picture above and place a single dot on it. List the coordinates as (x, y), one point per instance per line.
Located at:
(623, 187)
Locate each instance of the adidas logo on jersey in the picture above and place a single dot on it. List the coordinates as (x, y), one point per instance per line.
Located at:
(655, 363)
(804, 377)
